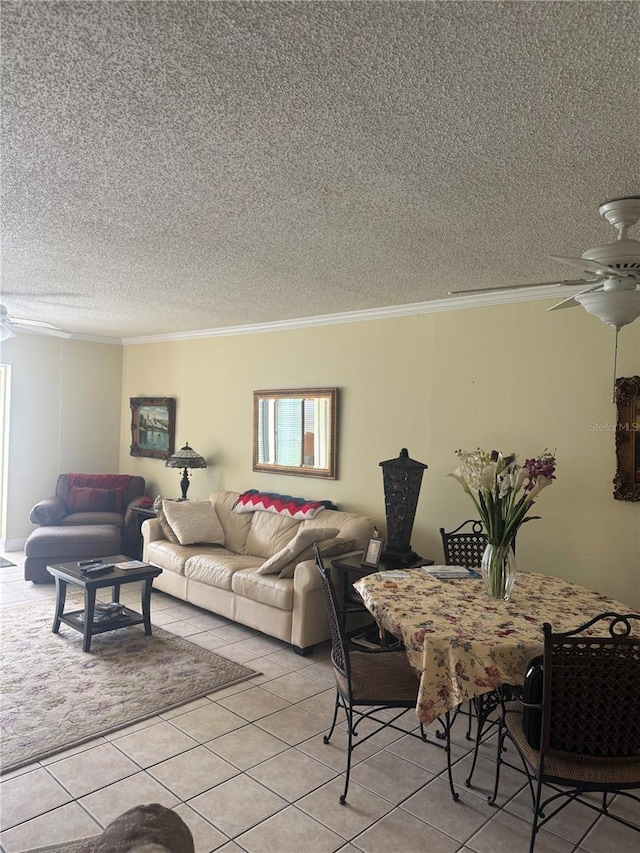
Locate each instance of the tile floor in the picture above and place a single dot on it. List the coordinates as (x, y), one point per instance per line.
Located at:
(247, 769)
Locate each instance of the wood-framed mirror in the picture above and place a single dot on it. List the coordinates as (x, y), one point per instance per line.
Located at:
(627, 480)
(295, 432)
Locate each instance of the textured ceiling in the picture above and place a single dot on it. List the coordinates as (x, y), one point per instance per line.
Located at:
(174, 166)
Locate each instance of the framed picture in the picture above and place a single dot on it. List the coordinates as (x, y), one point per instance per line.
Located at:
(153, 426)
(626, 483)
(373, 552)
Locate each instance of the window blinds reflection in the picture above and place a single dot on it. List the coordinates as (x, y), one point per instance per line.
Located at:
(295, 431)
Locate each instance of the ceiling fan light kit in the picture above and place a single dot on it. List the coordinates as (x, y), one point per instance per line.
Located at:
(617, 308)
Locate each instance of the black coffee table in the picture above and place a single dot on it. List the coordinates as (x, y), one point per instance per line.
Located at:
(84, 620)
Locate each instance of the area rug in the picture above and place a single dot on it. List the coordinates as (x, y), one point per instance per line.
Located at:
(54, 696)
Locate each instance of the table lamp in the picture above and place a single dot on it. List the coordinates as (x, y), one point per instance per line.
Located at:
(185, 458)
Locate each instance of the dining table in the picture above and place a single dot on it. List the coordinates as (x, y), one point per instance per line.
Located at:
(463, 643)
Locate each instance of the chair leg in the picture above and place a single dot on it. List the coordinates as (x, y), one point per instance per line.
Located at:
(343, 798)
(327, 737)
(502, 733)
(470, 719)
(536, 813)
(484, 706)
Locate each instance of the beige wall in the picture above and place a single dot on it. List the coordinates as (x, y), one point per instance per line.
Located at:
(511, 377)
(64, 416)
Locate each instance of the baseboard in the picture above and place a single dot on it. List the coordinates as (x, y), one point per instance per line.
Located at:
(12, 545)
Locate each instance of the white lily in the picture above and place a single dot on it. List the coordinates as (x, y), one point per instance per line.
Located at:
(457, 475)
(488, 477)
(541, 483)
(520, 478)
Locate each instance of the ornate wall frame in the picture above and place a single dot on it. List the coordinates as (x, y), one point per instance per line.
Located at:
(626, 483)
(153, 426)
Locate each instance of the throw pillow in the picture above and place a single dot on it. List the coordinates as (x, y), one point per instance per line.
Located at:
(194, 521)
(328, 548)
(165, 526)
(303, 540)
(86, 499)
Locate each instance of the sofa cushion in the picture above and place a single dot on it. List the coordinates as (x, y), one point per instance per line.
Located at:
(351, 526)
(267, 589)
(236, 527)
(303, 540)
(86, 499)
(269, 533)
(76, 519)
(194, 521)
(173, 558)
(218, 568)
(119, 483)
(327, 548)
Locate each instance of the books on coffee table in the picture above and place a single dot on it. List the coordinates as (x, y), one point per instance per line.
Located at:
(131, 564)
(104, 612)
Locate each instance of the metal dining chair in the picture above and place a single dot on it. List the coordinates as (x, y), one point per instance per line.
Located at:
(369, 681)
(589, 734)
(465, 546)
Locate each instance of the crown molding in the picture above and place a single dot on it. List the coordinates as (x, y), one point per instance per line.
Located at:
(455, 303)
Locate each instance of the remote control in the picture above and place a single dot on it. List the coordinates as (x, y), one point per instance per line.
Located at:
(92, 571)
(83, 563)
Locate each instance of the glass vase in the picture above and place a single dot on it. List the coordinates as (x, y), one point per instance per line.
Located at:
(498, 570)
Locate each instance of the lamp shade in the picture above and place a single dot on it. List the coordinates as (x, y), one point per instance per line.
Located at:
(186, 457)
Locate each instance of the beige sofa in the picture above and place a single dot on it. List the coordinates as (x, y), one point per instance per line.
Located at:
(226, 579)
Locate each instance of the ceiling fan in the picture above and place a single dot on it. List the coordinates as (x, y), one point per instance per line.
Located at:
(10, 325)
(612, 292)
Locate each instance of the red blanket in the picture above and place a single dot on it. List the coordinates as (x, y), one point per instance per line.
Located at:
(119, 483)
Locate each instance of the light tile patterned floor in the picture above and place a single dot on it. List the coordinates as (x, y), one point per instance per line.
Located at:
(246, 768)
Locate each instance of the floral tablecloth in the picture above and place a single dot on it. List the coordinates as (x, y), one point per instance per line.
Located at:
(463, 643)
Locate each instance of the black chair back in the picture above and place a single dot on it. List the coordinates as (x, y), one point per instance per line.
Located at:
(339, 652)
(464, 548)
(591, 688)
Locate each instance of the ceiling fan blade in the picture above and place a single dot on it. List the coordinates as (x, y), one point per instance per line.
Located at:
(585, 264)
(37, 328)
(565, 282)
(23, 324)
(570, 301)
(22, 321)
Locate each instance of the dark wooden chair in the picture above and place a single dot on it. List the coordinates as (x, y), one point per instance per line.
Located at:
(590, 720)
(369, 681)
